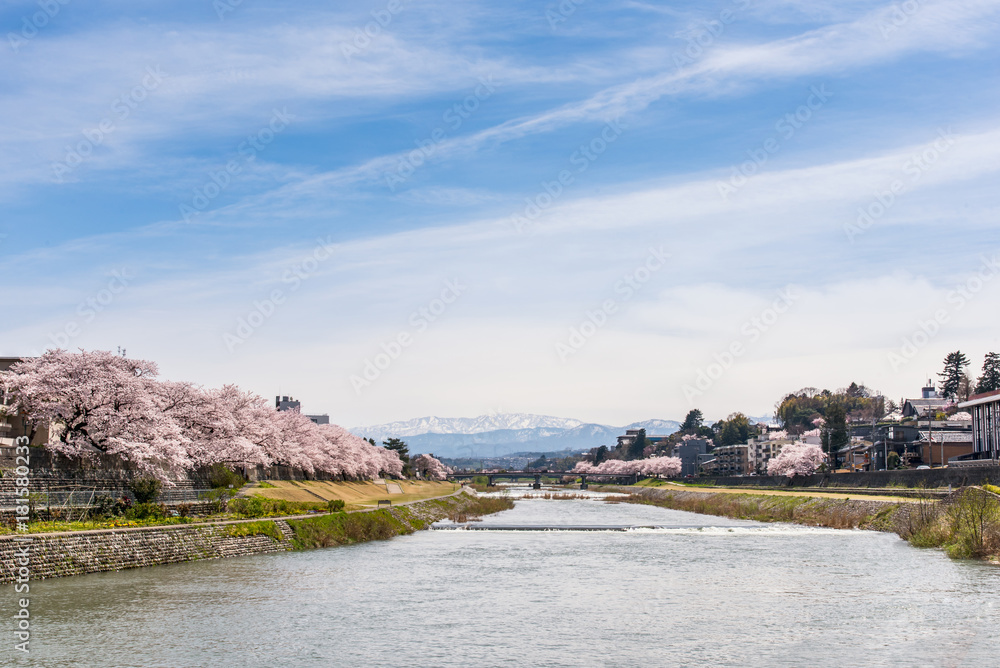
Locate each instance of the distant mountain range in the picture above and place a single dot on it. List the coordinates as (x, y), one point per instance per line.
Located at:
(504, 434)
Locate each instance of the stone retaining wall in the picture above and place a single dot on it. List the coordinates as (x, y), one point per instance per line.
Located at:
(79, 552)
(56, 555)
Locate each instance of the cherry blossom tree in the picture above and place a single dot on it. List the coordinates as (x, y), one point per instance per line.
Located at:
(661, 466)
(99, 403)
(430, 467)
(796, 459)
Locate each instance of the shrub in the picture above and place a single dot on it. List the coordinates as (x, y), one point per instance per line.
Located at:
(145, 489)
(253, 506)
(184, 509)
(108, 506)
(147, 511)
(220, 476)
(974, 516)
(335, 505)
(219, 499)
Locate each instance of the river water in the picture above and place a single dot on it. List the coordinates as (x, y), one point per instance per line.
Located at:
(706, 592)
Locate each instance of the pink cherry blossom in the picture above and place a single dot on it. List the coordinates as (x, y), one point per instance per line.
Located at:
(430, 467)
(796, 459)
(96, 402)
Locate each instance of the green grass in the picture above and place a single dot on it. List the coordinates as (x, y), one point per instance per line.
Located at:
(346, 528)
(89, 525)
(263, 528)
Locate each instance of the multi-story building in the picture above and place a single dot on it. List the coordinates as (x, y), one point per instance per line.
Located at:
(732, 459)
(290, 404)
(985, 410)
(693, 452)
(632, 434)
(761, 450)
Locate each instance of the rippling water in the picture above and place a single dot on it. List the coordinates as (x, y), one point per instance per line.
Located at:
(706, 592)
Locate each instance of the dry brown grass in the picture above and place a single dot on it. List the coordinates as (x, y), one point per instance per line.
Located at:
(355, 494)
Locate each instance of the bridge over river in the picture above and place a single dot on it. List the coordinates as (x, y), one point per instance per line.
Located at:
(620, 478)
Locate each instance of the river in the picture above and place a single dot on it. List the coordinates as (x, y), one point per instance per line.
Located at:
(705, 592)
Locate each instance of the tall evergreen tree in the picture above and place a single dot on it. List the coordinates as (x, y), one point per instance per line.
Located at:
(951, 378)
(637, 446)
(600, 454)
(400, 448)
(990, 380)
(692, 422)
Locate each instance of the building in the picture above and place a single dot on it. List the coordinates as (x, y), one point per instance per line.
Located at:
(929, 401)
(632, 434)
(937, 447)
(732, 459)
(693, 452)
(761, 450)
(290, 404)
(985, 410)
(15, 426)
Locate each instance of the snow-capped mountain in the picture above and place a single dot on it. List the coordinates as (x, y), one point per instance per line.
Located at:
(476, 425)
(496, 435)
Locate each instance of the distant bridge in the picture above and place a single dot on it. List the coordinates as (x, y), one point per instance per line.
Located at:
(621, 478)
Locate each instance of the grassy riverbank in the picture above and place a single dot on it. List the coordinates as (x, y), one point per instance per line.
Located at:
(966, 525)
(260, 504)
(347, 528)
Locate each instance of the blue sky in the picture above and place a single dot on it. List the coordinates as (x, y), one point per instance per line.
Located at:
(285, 201)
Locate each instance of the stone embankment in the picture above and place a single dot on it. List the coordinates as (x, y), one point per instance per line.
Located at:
(78, 552)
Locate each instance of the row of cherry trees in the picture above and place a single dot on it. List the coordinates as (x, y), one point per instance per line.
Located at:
(97, 402)
(658, 466)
